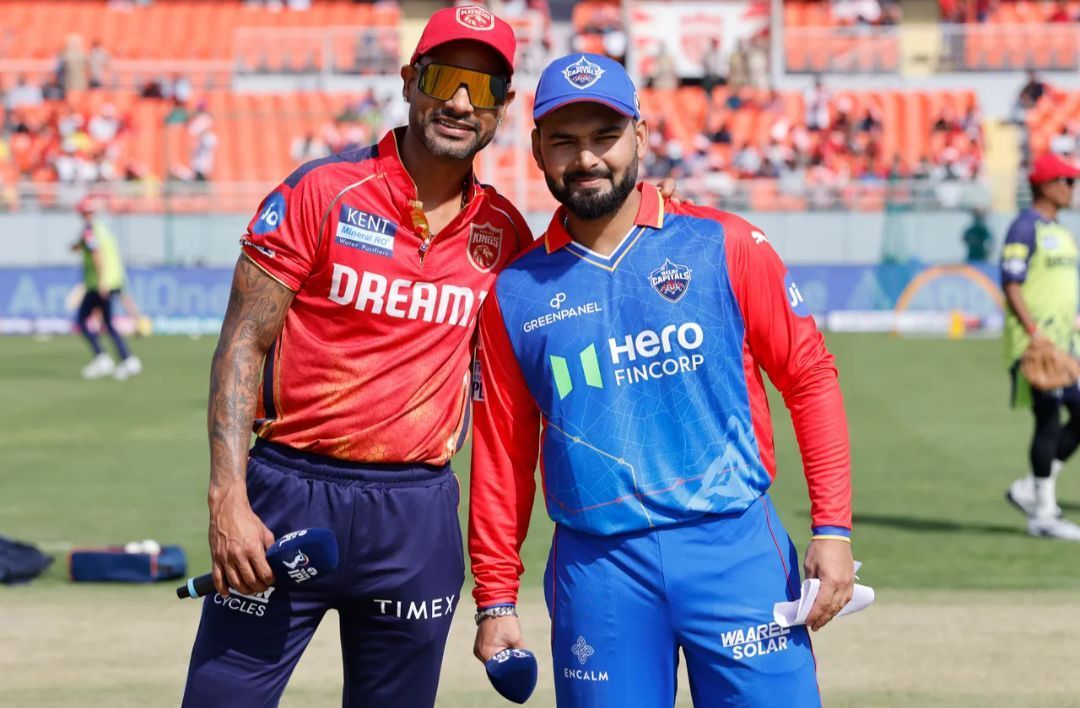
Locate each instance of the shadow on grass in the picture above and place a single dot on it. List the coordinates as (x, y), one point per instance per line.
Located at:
(1069, 506)
(909, 523)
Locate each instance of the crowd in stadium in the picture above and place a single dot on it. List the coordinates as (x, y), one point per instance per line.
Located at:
(744, 129)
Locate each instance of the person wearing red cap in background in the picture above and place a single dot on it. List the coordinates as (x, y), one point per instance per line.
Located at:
(103, 282)
(347, 347)
(1042, 288)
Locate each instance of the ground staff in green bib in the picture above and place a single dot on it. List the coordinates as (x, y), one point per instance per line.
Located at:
(1042, 288)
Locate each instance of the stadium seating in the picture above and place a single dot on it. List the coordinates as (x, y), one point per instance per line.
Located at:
(179, 29)
(816, 41)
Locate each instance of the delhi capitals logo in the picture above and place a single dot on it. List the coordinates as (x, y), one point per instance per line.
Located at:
(583, 73)
(671, 280)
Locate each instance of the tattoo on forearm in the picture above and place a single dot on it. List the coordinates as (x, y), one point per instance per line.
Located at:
(255, 315)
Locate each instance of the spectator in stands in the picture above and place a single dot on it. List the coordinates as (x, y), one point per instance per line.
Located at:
(664, 76)
(1032, 91)
(977, 237)
(714, 67)
(817, 106)
(1060, 13)
(98, 64)
(22, 94)
(738, 70)
(757, 61)
(73, 62)
(1064, 143)
(308, 147)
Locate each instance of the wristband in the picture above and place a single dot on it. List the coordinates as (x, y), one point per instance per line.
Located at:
(496, 611)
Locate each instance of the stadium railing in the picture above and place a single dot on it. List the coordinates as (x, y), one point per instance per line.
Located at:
(864, 50)
(997, 47)
(759, 195)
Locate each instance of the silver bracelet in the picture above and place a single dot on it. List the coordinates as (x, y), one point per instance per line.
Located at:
(497, 611)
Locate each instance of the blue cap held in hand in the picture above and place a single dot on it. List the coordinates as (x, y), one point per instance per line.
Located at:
(578, 78)
(513, 674)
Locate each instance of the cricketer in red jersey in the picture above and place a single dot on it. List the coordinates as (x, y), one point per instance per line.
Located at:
(346, 347)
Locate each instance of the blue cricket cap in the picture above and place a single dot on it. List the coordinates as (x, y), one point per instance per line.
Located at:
(578, 78)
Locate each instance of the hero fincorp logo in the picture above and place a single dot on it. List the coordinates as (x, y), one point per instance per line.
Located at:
(404, 299)
(366, 232)
(671, 280)
(583, 73)
(645, 356)
(652, 355)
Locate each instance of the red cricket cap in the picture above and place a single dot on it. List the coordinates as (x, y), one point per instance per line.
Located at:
(1050, 167)
(472, 23)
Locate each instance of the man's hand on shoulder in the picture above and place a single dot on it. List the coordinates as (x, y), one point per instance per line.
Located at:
(669, 190)
(830, 560)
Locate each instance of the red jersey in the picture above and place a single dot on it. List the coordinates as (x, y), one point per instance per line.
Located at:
(373, 362)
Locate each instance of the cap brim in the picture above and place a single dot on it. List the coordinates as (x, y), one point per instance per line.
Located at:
(507, 60)
(541, 110)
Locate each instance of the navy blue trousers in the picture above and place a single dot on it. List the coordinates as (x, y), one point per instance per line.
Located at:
(395, 589)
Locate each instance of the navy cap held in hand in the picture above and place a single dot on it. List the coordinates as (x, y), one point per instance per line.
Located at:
(513, 674)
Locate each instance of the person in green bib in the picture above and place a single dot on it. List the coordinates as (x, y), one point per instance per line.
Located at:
(103, 278)
(1042, 289)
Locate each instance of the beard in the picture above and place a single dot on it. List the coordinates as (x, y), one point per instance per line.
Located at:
(591, 204)
(441, 146)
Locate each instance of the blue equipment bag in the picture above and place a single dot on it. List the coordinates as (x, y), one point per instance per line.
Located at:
(20, 562)
(115, 565)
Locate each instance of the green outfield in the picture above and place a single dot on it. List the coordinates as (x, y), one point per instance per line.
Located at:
(934, 446)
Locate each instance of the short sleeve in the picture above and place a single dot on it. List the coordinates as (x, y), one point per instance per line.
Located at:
(1017, 251)
(282, 237)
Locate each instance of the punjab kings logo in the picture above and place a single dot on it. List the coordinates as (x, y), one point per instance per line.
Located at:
(484, 247)
(475, 18)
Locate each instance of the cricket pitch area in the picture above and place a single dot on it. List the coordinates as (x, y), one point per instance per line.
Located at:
(970, 611)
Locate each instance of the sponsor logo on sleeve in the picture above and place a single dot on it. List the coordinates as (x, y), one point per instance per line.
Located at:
(794, 297)
(366, 232)
(271, 216)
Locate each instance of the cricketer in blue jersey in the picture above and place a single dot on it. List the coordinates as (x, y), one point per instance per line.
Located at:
(625, 349)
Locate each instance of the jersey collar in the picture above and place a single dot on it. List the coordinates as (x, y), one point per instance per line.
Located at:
(650, 214)
(402, 185)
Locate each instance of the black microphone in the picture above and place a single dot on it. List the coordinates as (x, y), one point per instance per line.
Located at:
(295, 558)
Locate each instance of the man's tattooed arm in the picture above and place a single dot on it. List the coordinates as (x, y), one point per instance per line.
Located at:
(238, 538)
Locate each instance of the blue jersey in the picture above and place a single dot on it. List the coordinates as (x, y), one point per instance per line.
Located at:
(643, 369)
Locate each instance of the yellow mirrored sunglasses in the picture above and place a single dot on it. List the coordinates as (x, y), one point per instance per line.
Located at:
(441, 82)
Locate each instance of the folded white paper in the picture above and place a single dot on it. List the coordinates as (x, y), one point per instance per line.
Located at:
(790, 614)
